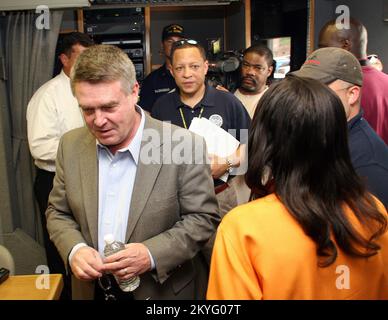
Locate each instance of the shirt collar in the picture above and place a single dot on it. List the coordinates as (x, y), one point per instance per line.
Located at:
(164, 70)
(135, 144)
(63, 74)
(208, 100)
(352, 122)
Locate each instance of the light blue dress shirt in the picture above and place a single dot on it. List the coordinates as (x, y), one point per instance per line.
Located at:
(116, 174)
(116, 180)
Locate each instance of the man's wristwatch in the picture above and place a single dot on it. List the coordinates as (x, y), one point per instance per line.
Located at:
(230, 165)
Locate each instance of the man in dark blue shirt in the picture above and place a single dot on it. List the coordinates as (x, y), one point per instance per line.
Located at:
(341, 71)
(193, 98)
(160, 81)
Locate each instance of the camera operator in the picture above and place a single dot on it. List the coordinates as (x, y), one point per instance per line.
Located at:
(256, 68)
(160, 81)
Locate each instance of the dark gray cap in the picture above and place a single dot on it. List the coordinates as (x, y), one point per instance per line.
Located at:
(173, 30)
(330, 64)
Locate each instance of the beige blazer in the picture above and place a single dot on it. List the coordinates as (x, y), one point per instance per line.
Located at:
(173, 209)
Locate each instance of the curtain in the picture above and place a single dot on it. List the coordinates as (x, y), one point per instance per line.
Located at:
(6, 184)
(30, 56)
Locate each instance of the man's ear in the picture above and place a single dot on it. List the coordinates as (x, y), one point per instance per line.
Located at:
(270, 70)
(169, 67)
(346, 44)
(135, 89)
(354, 94)
(64, 59)
(206, 66)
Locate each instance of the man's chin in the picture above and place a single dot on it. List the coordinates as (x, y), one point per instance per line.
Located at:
(189, 90)
(104, 135)
(106, 141)
(248, 88)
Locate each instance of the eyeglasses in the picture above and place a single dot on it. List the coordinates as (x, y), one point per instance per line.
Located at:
(105, 284)
(182, 42)
(256, 67)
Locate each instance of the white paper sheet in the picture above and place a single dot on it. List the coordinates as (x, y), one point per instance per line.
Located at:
(218, 141)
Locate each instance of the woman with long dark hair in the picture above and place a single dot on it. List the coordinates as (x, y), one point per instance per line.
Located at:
(312, 231)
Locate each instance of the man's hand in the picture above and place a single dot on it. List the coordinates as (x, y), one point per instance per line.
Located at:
(86, 264)
(218, 166)
(133, 260)
(221, 88)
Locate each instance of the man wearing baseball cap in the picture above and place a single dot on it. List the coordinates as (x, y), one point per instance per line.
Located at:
(374, 100)
(341, 71)
(160, 81)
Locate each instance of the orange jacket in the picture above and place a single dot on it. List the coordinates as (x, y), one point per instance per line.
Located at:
(261, 252)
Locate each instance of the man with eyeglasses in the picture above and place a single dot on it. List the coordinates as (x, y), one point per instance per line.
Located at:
(341, 71)
(194, 98)
(160, 81)
(256, 68)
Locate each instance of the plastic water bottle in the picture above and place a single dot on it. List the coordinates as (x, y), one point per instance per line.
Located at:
(111, 247)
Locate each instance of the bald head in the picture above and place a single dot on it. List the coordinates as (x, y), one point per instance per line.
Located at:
(354, 39)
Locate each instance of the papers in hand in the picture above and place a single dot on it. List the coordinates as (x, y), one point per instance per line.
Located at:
(218, 141)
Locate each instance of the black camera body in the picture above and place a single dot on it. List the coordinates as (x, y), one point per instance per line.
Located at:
(224, 69)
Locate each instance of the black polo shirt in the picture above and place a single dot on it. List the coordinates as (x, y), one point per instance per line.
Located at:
(369, 156)
(220, 107)
(156, 84)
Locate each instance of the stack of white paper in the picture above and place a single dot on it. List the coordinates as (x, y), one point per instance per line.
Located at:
(218, 141)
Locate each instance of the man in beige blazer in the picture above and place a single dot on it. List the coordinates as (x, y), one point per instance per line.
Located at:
(172, 210)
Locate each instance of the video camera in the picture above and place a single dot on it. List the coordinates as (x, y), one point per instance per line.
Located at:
(224, 67)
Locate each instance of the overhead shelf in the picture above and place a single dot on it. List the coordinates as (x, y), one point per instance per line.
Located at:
(98, 4)
(8, 5)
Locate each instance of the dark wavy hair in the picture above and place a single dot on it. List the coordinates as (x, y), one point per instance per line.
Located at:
(66, 43)
(261, 50)
(299, 136)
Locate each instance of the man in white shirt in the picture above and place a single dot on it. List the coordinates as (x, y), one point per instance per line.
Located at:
(51, 112)
(256, 68)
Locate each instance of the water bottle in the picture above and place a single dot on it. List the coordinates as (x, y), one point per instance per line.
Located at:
(111, 247)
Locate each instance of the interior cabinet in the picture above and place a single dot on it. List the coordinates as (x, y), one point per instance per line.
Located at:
(230, 23)
(124, 28)
(202, 23)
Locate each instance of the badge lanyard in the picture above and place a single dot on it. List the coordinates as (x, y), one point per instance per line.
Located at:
(183, 117)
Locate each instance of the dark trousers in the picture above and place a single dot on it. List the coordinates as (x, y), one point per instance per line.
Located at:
(42, 188)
